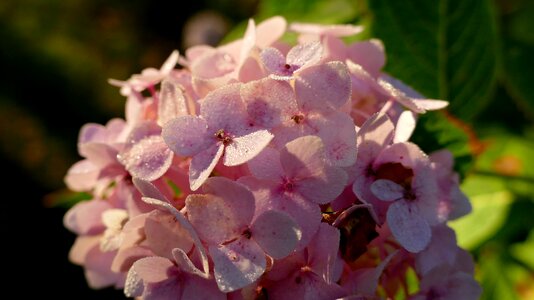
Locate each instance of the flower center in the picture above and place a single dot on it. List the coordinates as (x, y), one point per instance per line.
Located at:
(222, 136)
(247, 234)
(297, 118)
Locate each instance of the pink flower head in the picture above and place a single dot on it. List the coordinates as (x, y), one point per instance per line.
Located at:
(99, 145)
(238, 238)
(412, 188)
(223, 129)
(295, 180)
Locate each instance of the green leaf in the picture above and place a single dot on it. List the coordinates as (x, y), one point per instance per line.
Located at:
(509, 157)
(491, 203)
(327, 12)
(524, 252)
(498, 277)
(445, 49)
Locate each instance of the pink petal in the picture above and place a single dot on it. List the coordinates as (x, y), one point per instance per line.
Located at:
(149, 159)
(223, 213)
(82, 176)
(323, 250)
(368, 54)
(365, 281)
(171, 103)
(441, 250)
(387, 190)
(148, 189)
(186, 135)
(270, 30)
(99, 154)
(81, 247)
(203, 164)
(184, 262)
(324, 187)
(408, 227)
(304, 55)
(223, 108)
(125, 258)
(324, 86)
(405, 127)
(276, 233)
(266, 165)
(334, 48)
(153, 278)
(273, 60)
(305, 285)
(303, 157)
(338, 134)
(306, 214)
(98, 269)
(92, 132)
(86, 217)
(407, 154)
(169, 64)
(431, 104)
(164, 233)
(244, 148)
(249, 40)
(269, 102)
(201, 289)
(237, 264)
(250, 70)
(202, 86)
(212, 64)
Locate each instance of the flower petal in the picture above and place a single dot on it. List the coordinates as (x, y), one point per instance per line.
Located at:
(172, 103)
(323, 187)
(164, 233)
(322, 87)
(203, 164)
(244, 148)
(368, 54)
(405, 127)
(237, 264)
(269, 102)
(273, 60)
(276, 233)
(266, 165)
(387, 190)
(303, 157)
(223, 108)
(186, 135)
(149, 159)
(409, 228)
(304, 55)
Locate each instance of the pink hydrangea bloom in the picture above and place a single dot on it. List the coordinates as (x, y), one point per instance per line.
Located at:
(263, 169)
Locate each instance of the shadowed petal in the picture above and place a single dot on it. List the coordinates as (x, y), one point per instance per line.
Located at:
(237, 264)
(276, 233)
(408, 226)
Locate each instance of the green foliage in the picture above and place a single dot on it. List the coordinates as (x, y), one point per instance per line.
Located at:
(445, 49)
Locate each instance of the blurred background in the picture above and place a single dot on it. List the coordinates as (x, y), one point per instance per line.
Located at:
(56, 57)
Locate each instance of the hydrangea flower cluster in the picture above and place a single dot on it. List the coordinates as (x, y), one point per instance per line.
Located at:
(259, 169)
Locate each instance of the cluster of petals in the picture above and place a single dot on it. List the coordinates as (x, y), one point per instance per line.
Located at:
(262, 169)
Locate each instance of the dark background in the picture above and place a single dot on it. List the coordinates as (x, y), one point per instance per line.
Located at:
(55, 59)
